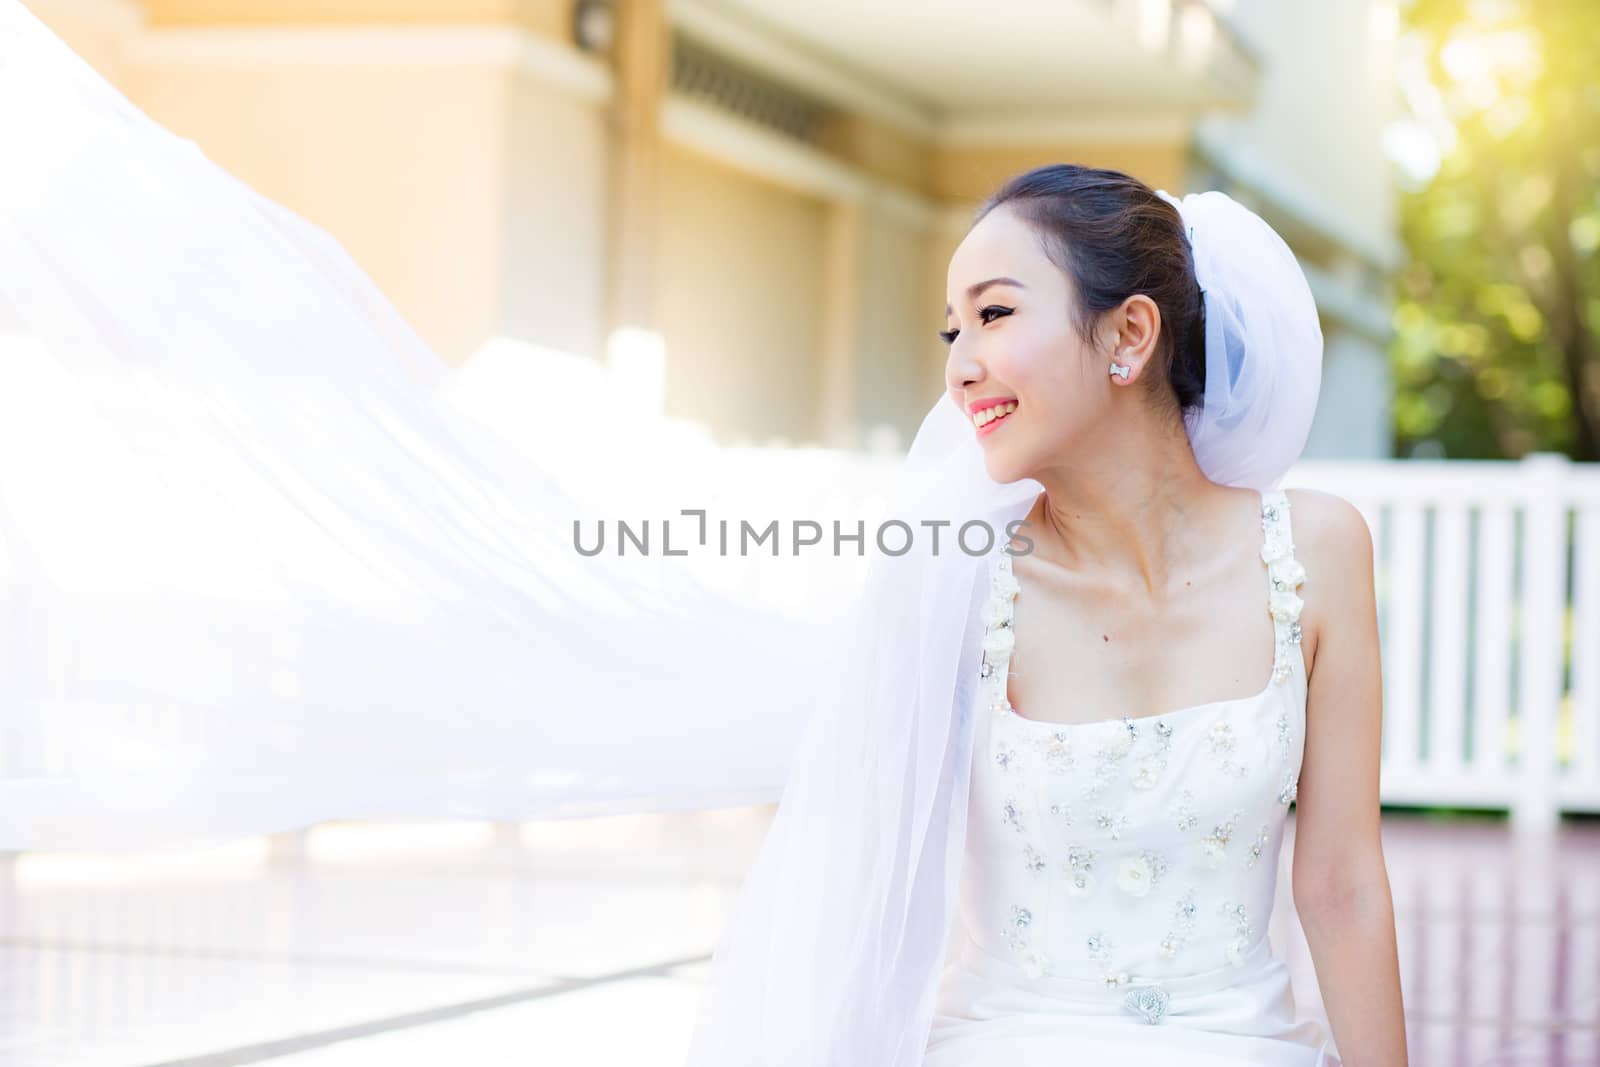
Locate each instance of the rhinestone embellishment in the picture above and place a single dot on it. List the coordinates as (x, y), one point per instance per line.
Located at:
(1011, 814)
(1149, 1002)
(1258, 845)
(1242, 929)
(1183, 920)
(1183, 812)
(1224, 747)
(1005, 757)
(1148, 771)
(1057, 752)
(1111, 823)
(1212, 849)
(1099, 947)
(1021, 917)
(1290, 789)
(1136, 874)
(1080, 870)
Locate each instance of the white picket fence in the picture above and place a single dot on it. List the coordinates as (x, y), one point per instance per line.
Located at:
(1488, 584)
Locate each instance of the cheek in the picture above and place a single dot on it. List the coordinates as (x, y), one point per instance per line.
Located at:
(1042, 371)
(1055, 385)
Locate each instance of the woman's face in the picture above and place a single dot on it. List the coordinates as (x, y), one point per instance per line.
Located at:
(1015, 341)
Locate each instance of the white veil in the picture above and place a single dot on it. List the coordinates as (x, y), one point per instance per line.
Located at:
(234, 512)
(258, 572)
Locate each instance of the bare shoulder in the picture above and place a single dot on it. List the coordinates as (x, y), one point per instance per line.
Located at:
(1327, 528)
(1334, 544)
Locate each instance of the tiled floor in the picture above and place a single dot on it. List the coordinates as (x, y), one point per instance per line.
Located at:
(1499, 943)
(586, 943)
(454, 952)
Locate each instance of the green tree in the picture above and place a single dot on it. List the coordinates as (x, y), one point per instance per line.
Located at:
(1497, 314)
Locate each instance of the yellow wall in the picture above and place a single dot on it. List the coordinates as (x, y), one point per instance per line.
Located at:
(473, 190)
(901, 372)
(963, 174)
(546, 16)
(879, 150)
(403, 164)
(552, 272)
(739, 299)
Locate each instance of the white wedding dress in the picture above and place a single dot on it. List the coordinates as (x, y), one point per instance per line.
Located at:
(1118, 875)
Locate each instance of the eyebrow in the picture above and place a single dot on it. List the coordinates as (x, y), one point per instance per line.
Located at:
(976, 289)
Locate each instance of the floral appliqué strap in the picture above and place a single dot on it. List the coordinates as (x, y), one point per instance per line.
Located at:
(1284, 575)
(998, 637)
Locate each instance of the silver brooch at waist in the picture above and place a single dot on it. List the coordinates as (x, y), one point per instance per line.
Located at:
(1149, 1002)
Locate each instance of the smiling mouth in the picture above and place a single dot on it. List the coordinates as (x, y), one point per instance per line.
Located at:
(990, 417)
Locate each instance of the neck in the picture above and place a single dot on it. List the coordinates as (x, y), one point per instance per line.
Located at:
(1131, 511)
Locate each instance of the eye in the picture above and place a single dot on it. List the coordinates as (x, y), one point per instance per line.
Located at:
(949, 336)
(983, 312)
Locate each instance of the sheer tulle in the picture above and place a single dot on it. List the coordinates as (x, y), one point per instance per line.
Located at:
(259, 570)
(258, 575)
(1263, 344)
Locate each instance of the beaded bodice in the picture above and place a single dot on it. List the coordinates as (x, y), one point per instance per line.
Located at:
(1134, 850)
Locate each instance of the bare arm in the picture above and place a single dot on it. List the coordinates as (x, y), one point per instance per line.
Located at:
(1341, 887)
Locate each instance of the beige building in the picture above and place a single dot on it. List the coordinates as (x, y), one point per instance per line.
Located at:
(746, 206)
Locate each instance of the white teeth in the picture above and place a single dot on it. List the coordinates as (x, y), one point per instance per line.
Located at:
(988, 415)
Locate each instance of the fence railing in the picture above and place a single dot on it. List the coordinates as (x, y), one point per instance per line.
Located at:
(1488, 586)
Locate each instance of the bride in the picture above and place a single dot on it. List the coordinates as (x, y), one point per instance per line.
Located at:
(1067, 850)
(260, 575)
(1120, 857)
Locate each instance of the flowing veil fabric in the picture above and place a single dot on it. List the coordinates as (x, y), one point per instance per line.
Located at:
(259, 572)
(257, 576)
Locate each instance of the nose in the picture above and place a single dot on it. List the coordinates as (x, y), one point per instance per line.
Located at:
(961, 371)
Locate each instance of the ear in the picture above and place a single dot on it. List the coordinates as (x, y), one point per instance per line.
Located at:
(1136, 325)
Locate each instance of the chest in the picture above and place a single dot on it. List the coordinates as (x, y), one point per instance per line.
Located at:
(1085, 654)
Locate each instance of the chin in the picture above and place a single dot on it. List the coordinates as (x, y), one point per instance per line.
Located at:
(1001, 468)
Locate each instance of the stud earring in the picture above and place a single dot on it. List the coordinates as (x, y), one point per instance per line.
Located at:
(1120, 371)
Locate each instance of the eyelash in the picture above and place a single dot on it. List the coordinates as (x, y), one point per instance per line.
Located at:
(949, 336)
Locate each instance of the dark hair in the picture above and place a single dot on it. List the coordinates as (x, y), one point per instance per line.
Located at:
(1114, 237)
